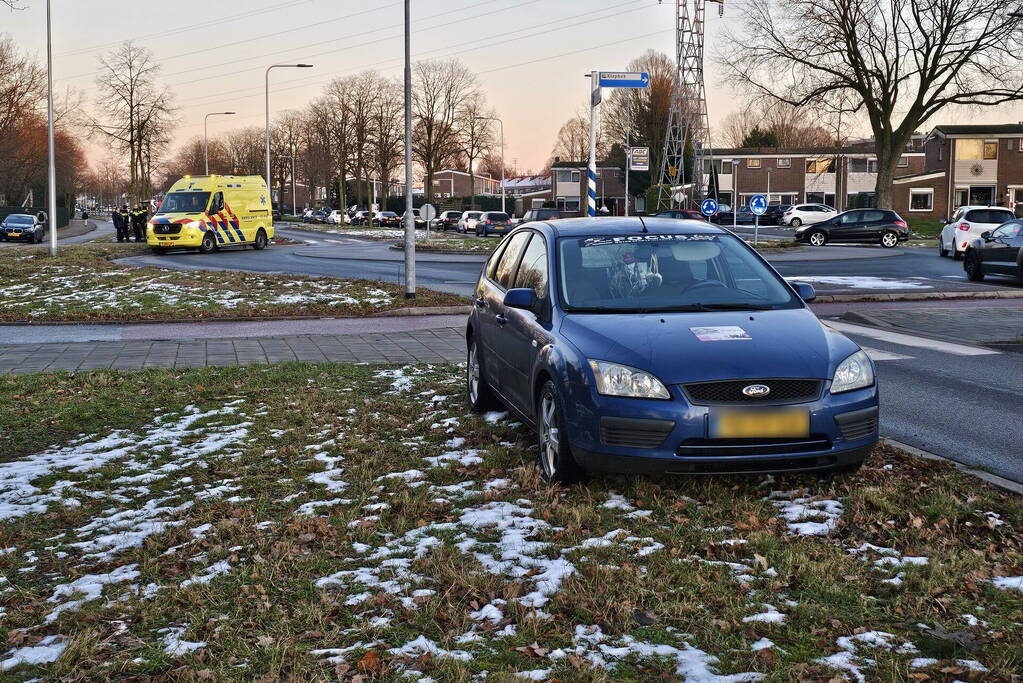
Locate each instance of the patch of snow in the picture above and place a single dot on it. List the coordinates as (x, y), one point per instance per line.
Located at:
(809, 517)
(1008, 582)
(174, 645)
(91, 588)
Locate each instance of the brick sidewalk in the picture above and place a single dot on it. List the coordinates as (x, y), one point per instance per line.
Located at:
(419, 346)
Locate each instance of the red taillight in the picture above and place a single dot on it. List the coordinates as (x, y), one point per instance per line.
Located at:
(902, 224)
(490, 222)
(963, 226)
(788, 213)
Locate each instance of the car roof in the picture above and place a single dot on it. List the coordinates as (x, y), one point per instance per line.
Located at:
(630, 225)
(971, 207)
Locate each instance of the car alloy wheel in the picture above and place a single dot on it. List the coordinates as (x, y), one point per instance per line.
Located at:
(973, 267)
(818, 239)
(557, 463)
(550, 436)
(942, 251)
(795, 222)
(889, 240)
(477, 391)
(208, 245)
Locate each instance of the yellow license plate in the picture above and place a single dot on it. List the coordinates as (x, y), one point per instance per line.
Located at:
(760, 424)
(14, 234)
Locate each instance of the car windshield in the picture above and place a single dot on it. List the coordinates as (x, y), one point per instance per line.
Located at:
(27, 220)
(670, 272)
(185, 202)
(388, 214)
(998, 216)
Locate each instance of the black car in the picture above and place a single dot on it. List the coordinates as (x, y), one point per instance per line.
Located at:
(388, 219)
(447, 220)
(997, 252)
(686, 214)
(724, 216)
(19, 227)
(774, 214)
(539, 215)
(878, 226)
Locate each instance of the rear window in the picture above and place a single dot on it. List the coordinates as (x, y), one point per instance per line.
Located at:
(497, 216)
(989, 216)
(473, 214)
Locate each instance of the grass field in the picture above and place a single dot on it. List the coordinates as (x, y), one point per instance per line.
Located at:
(925, 227)
(83, 284)
(325, 522)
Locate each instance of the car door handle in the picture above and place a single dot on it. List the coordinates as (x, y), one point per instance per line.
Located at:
(501, 320)
(480, 303)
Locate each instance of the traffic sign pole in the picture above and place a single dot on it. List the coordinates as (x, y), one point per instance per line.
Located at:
(758, 206)
(591, 169)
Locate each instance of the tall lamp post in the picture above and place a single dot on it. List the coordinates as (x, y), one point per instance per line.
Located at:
(267, 136)
(51, 193)
(206, 136)
(499, 121)
(410, 222)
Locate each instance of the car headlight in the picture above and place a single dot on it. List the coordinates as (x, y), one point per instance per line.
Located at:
(614, 379)
(855, 372)
(192, 225)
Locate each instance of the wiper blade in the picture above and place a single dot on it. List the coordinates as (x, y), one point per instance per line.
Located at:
(735, 307)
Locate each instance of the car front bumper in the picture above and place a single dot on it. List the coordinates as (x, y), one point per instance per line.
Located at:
(623, 435)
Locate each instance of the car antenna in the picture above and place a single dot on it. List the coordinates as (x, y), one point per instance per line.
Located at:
(642, 223)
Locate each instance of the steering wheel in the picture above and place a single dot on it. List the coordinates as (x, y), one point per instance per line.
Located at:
(707, 283)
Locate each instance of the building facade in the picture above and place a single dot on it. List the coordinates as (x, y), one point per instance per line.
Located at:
(568, 188)
(451, 183)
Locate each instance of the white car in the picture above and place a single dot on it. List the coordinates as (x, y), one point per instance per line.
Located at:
(967, 224)
(807, 214)
(467, 223)
(336, 217)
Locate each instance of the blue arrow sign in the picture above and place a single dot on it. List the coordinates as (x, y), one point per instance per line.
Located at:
(758, 204)
(623, 79)
(709, 207)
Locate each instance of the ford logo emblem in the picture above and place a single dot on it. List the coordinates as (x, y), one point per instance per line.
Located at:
(756, 390)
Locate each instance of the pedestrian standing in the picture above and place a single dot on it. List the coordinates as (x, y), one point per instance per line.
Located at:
(117, 217)
(139, 216)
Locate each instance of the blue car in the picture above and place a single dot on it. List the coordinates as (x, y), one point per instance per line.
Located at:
(663, 346)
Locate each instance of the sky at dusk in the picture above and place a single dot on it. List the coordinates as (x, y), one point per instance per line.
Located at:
(531, 55)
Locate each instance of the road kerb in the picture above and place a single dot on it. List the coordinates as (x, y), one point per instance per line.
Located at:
(993, 479)
(421, 310)
(918, 296)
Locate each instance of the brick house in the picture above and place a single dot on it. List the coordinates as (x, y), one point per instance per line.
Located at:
(451, 183)
(568, 187)
(964, 164)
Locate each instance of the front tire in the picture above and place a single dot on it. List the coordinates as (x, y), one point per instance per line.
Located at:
(973, 266)
(817, 239)
(956, 254)
(260, 242)
(557, 464)
(942, 251)
(889, 240)
(795, 222)
(477, 391)
(208, 245)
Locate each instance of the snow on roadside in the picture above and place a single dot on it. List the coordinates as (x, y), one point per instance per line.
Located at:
(806, 516)
(1008, 582)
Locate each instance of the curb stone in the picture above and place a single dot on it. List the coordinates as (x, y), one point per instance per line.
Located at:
(918, 296)
(999, 482)
(396, 312)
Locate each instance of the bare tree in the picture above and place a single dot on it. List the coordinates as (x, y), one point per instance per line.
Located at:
(900, 62)
(573, 140)
(337, 120)
(388, 132)
(12, 4)
(475, 134)
(136, 113)
(441, 88)
(806, 126)
(245, 150)
(285, 140)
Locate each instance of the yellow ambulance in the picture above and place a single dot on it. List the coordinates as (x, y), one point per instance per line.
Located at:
(210, 212)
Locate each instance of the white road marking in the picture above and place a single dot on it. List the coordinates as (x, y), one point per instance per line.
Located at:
(909, 340)
(879, 355)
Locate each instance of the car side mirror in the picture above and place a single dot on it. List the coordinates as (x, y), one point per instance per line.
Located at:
(805, 291)
(986, 235)
(522, 297)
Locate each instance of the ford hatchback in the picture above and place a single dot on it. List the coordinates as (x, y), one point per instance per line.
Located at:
(663, 346)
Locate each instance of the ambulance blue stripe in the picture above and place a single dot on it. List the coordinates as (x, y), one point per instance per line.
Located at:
(227, 231)
(241, 235)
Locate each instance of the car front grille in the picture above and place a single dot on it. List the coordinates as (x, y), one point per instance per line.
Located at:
(782, 391)
(166, 229)
(703, 448)
(634, 433)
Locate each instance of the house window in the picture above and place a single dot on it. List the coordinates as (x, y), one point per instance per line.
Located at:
(857, 165)
(990, 150)
(816, 166)
(753, 163)
(1021, 144)
(975, 150)
(921, 199)
(903, 162)
(784, 163)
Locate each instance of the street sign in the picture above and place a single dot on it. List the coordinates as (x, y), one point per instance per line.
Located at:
(427, 212)
(623, 79)
(709, 207)
(639, 158)
(758, 204)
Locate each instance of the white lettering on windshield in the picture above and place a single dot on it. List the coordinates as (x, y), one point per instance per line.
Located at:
(640, 239)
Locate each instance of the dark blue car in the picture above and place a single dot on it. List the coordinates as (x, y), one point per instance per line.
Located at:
(663, 347)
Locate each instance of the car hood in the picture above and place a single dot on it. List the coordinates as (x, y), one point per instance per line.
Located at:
(781, 343)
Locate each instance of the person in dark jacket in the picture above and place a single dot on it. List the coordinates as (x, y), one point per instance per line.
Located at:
(120, 220)
(139, 216)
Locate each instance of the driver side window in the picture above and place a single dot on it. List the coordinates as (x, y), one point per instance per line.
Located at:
(217, 203)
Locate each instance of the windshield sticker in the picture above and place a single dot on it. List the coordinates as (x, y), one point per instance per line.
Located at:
(726, 333)
(641, 239)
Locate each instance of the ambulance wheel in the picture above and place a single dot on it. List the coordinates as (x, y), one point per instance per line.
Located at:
(260, 242)
(208, 245)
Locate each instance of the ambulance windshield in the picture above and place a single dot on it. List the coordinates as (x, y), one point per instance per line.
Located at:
(185, 202)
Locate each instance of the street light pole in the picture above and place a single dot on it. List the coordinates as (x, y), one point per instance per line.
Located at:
(501, 123)
(267, 131)
(51, 194)
(410, 223)
(294, 200)
(206, 136)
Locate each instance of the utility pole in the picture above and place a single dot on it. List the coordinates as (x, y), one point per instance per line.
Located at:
(51, 194)
(206, 136)
(294, 201)
(410, 223)
(591, 169)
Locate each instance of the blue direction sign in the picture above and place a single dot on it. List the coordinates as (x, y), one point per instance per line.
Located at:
(758, 204)
(709, 207)
(623, 79)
